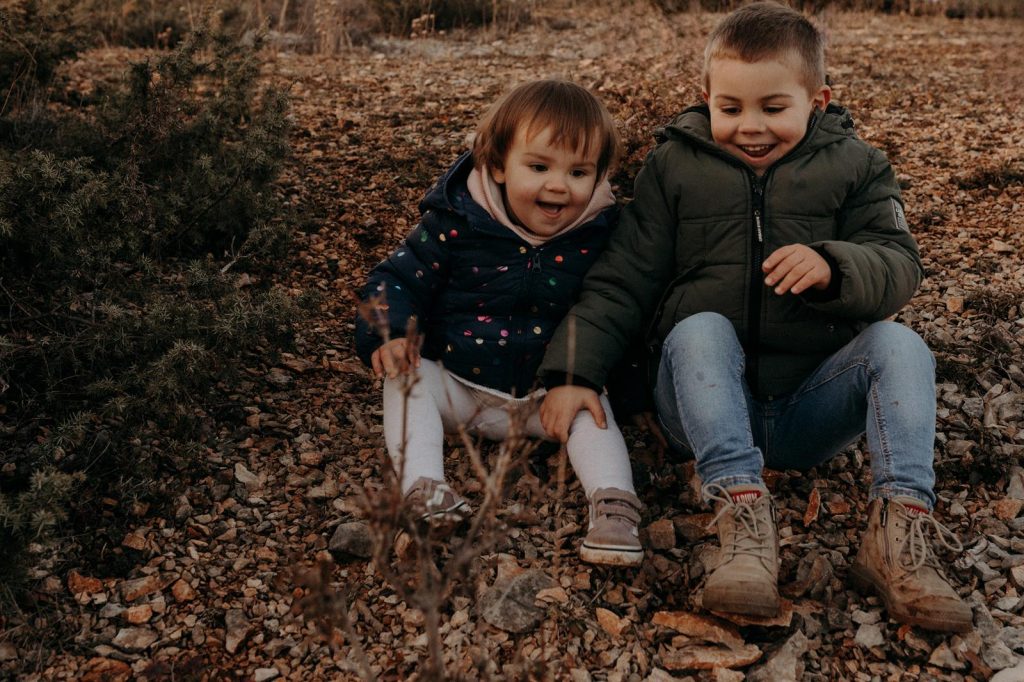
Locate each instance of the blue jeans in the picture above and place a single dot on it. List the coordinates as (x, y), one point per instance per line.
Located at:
(882, 382)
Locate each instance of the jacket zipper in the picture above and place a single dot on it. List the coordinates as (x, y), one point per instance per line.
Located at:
(526, 308)
(756, 286)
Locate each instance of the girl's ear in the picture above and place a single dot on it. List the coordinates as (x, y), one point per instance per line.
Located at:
(823, 97)
(706, 96)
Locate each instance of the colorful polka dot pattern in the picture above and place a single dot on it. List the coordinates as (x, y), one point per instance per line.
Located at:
(489, 303)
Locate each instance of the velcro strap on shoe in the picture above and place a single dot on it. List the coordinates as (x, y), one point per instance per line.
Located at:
(615, 502)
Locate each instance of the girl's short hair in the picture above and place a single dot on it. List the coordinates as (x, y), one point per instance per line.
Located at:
(576, 117)
(765, 30)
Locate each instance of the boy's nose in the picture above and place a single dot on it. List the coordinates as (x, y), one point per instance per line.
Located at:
(751, 123)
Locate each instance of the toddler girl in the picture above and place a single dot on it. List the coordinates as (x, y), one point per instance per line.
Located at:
(497, 260)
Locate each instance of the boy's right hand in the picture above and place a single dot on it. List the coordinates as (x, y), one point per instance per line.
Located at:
(561, 405)
(395, 357)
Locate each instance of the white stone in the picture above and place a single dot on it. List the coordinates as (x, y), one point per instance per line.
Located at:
(1014, 674)
(869, 635)
(134, 639)
(246, 477)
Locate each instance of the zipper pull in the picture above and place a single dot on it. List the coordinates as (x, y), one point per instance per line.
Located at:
(884, 518)
(755, 184)
(536, 261)
(757, 224)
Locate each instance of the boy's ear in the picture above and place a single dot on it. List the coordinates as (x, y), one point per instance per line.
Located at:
(499, 175)
(823, 97)
(706, 96)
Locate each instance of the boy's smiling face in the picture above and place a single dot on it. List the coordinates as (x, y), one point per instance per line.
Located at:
(760, 110)
(546, 186)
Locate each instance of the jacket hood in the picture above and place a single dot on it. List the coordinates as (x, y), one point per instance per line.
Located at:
(445, 193)
(826, 127)
(454, 192)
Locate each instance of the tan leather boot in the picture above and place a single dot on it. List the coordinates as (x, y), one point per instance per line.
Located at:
(896, 561)
(746, 579)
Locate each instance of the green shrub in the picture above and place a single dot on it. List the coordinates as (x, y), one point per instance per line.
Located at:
(155, 23)
(124, 226)
(34, 39)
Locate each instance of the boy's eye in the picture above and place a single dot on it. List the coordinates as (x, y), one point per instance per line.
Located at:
(774, 110)
(731, 111)
(538, 167)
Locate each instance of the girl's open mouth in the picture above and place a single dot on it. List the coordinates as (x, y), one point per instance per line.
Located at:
(550, 209)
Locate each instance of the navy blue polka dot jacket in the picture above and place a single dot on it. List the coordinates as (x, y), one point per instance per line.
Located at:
(485, 300)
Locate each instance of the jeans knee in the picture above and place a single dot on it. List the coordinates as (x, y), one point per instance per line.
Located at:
(897, 339)
(892, 341)
(700, 334)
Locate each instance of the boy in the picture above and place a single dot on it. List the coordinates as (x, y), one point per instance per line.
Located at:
(765, 246)
(497, 260)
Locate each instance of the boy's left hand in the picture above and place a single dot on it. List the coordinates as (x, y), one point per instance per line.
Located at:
(563, 403)
(796, 268)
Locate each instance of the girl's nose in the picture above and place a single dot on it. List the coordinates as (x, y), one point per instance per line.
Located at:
(556, 183)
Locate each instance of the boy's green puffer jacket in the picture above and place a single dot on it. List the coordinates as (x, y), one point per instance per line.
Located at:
(698, 229)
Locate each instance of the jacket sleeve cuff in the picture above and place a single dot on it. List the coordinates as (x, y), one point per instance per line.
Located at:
(835, 285)
(556, 379)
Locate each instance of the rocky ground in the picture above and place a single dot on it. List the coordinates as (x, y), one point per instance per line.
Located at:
(225, 583)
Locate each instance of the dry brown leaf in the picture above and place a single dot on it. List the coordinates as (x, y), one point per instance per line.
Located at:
(813, 505)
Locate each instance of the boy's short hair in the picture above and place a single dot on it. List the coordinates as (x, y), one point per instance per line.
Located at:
(763, 30)
(577, 119)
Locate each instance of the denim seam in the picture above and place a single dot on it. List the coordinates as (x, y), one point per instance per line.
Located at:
(742, 366)
(669, 356)
(883, 433)
(672, 437)
(884, 446)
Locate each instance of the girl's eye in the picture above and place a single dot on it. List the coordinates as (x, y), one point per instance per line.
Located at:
(774, 110)
(579, 173)
(731, 111)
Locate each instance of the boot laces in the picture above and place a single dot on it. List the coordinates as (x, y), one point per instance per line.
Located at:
(751, 536)
(916, 543)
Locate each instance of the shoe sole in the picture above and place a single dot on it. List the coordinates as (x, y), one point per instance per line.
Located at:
(612, 556)
(866, 581)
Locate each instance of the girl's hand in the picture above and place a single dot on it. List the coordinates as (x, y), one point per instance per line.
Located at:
(796, 268)
(563, 403)
(395, 357)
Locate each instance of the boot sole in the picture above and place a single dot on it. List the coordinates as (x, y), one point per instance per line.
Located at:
(867, 581)
(611, 556)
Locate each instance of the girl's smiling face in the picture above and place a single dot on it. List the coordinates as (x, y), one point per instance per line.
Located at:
(546, 186)
(760, 110)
